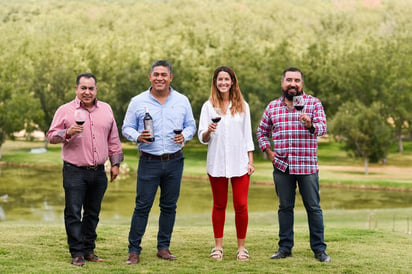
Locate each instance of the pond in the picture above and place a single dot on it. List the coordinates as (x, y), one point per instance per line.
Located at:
(34, 194)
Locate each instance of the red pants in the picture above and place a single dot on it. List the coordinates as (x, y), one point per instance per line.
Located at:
(240, 190)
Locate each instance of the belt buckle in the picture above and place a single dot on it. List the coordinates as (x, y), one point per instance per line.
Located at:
(92, 167)
(165, 157)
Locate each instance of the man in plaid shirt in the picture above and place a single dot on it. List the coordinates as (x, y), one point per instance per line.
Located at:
(294, 134)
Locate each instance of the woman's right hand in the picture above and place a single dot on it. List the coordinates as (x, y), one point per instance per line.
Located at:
(212, 127)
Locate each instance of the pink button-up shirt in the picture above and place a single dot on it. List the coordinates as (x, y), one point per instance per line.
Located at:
(100, 138)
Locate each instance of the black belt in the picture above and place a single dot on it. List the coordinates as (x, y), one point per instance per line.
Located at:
(94, 168)
(164, 157)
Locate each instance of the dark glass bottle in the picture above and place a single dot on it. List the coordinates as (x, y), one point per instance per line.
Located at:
(148, 124)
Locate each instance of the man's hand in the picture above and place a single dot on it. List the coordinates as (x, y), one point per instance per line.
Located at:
(179, 139)
(144, 136)
(114, 171)
(306, 121)
(74, 129)
(270, 154)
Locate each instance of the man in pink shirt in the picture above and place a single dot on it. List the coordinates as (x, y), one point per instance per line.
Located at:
(88, 140)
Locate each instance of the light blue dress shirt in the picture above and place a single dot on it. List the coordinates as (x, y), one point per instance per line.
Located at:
(176, 109)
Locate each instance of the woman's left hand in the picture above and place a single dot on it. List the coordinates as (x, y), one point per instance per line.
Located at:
(250, 169)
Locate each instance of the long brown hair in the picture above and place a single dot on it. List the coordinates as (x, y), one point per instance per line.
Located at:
(238, 105)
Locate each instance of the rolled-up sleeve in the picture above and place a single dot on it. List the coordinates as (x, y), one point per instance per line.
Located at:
(115, 146)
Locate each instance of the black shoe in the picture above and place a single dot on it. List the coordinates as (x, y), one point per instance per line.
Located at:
(78, 261)
(322, 257)
(281, 254)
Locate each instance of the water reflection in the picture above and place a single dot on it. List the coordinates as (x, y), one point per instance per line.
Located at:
(37, 194)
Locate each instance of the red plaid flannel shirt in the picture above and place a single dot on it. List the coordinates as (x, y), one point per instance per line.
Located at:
(294, 146)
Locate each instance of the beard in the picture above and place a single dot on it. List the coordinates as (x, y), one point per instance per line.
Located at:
(290, 96)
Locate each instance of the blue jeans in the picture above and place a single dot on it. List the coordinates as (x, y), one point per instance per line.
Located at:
(285, 184)
(84, 190)
(154, 173)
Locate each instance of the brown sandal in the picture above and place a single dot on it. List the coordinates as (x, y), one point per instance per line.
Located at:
(217, 253)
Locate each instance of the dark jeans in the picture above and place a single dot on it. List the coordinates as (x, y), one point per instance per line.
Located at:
(84, 189)
(309, 190)
(154, 173)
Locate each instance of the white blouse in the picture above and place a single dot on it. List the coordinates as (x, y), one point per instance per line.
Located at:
(227, 154)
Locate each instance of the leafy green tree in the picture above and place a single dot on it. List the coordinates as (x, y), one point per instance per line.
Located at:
(363, 131)
(52, 84)
(357, 53)
(397, 99)
(378, 72)
(17, 105)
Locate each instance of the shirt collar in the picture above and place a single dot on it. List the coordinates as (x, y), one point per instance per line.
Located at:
(79, 103)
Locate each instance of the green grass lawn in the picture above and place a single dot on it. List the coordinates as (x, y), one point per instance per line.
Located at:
(359, 241)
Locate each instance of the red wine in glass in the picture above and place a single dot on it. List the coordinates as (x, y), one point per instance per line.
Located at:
(216, 119)
(79, 117)
(298, 102)
(177, 131)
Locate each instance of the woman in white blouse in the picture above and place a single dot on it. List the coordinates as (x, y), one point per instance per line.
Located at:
(229, 155)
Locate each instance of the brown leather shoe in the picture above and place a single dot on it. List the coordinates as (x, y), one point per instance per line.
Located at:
(78, 261)
(165, 254)
(94, 258)
(133, 258)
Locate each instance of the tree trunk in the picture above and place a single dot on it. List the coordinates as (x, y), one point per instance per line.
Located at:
(400, 143)
(46, 143)
(366, 165)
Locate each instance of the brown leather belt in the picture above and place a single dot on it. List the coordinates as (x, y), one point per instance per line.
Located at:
(94, 168)
(164, 157)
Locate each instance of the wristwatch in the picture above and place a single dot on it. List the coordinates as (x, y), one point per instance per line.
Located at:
(312, 129)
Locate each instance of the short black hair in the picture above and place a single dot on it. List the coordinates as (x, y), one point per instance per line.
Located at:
(292, 69)
(86, 75)
(162, 63)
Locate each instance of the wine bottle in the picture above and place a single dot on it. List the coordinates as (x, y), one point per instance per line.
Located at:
(148, 124)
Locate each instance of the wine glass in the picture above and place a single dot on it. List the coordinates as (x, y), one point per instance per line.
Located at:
(178, 129)
(298, 103)
(79, 118)
(178, 126)
(217, 115)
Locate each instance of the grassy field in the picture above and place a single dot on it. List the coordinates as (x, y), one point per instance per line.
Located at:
(359, 241)
(355, 245)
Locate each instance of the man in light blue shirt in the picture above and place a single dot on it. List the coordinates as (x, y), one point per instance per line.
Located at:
(161, 161)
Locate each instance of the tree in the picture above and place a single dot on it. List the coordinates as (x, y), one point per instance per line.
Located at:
(346, 54)
(363, 130)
